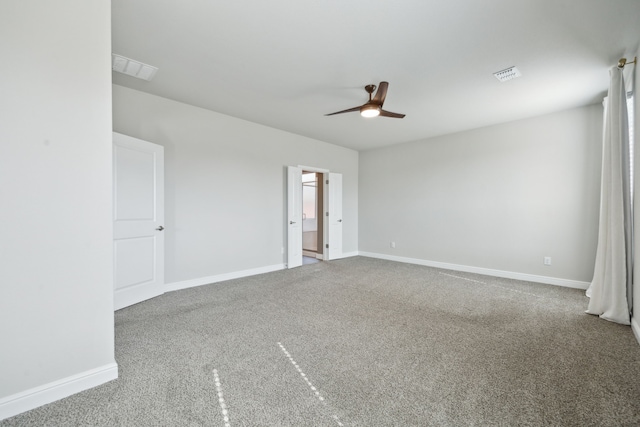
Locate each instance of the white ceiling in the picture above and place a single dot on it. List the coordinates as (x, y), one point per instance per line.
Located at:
(287, 63)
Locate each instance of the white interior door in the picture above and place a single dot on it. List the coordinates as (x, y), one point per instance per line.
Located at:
(294, 217)
(138, 218)
(334, 208)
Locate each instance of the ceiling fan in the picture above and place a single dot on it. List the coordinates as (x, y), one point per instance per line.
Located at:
(373, 108)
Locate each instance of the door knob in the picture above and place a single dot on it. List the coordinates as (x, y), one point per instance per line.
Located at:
(292, 222)
(160, 228)
(339, 220)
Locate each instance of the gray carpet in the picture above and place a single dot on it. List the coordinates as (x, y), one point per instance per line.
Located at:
(362, 342)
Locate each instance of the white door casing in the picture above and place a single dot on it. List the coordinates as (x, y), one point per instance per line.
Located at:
(138, 220)
(294, 217)
(334, 209)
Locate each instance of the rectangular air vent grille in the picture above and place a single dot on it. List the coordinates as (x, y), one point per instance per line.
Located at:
(507, 74)
(132, 68)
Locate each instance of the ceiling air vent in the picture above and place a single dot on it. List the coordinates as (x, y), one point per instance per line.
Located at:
(132, 68)
(507, 74)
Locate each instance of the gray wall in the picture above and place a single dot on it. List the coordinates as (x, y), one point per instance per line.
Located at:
(635, 323)
(501, 197)
(56, 289)
(225, 184)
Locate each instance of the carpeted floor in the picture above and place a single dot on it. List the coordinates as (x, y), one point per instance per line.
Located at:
(362, 342)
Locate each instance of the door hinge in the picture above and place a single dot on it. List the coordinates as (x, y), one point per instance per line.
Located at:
(326, 246)
(327, 181)
(327, 214)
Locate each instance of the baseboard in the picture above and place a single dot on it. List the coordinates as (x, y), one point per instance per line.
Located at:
(349, 254)
(128, 296)
(176, 286)
(56, 390)
(635, 327)
(486, 271)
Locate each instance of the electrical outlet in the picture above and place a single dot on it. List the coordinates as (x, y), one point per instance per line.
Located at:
(392, 244)
(547, 260)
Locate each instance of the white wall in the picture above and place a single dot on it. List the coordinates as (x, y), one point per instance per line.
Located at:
(56, 295)
(498, 198)
(225, 184)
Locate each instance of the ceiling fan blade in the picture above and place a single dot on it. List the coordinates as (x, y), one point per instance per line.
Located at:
(390, 114)
(344, 111)
(381, 94)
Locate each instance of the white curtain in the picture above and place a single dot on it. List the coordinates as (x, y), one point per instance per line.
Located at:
(611, 287)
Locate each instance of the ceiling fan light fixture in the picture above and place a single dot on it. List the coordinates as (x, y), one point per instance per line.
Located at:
(373, 107)
(370, 111)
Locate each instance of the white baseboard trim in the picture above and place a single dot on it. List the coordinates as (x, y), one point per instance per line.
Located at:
(486, 271)
(349, 254)
(56, 390)
(344, 255)
(185, 284)
(635, 327)
(176, 286)
(128, 296)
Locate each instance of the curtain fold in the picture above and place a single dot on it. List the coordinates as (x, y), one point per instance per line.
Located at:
(612, 282)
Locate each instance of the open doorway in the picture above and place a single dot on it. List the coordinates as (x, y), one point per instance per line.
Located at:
(312, 218)
(328, 214)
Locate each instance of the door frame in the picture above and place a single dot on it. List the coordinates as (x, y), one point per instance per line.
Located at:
(318, 252)
(325, 201)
